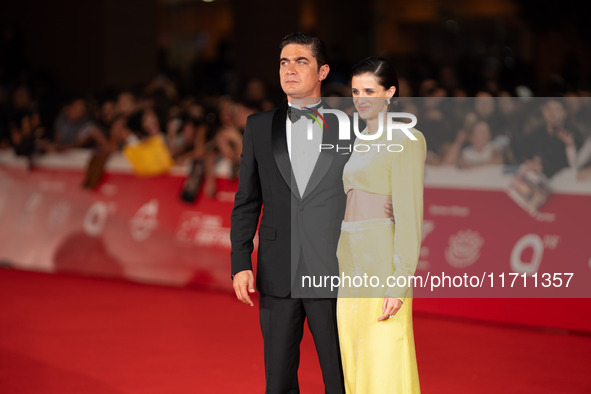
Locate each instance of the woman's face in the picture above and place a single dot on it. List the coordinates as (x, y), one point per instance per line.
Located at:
(150, 122)
(484, 104)
(369, 96)
(125, 104)
(108, 111)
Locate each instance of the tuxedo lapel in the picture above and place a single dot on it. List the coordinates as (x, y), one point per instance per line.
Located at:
(279, 144)
(329, 136)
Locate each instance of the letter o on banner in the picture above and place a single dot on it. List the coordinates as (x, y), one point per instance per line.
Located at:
(95, 219)
(534, 242)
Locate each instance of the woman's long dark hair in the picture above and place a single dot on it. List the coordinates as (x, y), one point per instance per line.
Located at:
(384, 73)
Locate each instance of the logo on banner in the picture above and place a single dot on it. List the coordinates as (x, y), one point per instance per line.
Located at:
(30, 211)
(534, 245)
(58, 215)
(96, 218)
(427, 228)
(3, 199)
(463, 248)
(144, 221)
(203, 230)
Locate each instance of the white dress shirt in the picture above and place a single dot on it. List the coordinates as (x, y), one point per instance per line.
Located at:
(303, 152)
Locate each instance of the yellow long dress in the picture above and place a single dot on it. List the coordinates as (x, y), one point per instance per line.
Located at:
(379, 357)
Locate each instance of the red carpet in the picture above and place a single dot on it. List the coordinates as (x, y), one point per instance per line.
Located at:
(67, 334)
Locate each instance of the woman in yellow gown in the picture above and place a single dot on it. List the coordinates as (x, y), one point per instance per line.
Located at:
(375, 321)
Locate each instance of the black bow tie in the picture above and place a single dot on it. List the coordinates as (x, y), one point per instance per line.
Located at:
(294, 114)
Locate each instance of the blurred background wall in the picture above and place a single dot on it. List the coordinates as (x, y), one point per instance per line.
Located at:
(82, 45)
(92, 45)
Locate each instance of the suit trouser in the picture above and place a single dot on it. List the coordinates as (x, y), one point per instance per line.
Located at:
(282, 324)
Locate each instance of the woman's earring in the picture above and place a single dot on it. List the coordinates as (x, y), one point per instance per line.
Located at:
(388, 100)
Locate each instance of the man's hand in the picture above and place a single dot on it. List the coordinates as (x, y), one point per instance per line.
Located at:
(566, 137)
(389, 308)
(461, 137)
(244, 284)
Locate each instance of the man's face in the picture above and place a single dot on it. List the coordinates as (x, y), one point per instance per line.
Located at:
(76, 110)
(299, 72)
(480, 136)
(554, 113)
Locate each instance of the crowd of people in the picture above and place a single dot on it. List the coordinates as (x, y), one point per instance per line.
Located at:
(203, 130)
(206, 131)
(549, 134)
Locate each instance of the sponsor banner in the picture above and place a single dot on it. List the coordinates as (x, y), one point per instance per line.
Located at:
(479, 243)
(129, 227)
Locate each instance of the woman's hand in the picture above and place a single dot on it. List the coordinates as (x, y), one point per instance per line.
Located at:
(389, 308)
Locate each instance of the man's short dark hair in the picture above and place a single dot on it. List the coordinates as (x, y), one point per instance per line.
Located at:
(316, 45)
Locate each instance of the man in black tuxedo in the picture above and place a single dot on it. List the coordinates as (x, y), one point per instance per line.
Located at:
(300, 190)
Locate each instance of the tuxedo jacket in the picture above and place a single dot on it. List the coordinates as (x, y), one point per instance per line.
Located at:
(293, 229)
